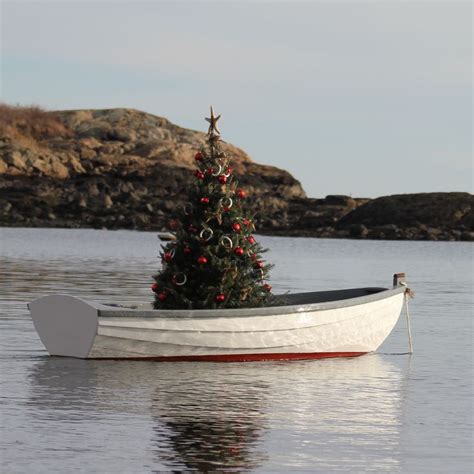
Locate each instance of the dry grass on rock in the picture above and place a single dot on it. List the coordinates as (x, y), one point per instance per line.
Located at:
(30, 123)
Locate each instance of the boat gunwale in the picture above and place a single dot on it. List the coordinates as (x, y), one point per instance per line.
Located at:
(120, 312)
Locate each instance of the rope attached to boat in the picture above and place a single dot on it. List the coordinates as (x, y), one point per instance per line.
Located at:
(408, 294)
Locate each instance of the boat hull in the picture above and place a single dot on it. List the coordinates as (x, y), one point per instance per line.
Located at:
(241, 357)
(350, 327)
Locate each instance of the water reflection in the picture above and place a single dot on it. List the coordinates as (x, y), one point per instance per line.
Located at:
(209, 416)
(61, 386)
(231, 416)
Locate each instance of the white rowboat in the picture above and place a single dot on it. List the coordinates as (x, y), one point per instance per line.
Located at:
(339, 323)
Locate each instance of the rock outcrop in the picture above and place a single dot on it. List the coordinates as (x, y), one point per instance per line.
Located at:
(117, 168)
(422, 216)
(123, 168)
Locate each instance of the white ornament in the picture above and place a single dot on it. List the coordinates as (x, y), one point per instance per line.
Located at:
(217, 173)
(223, 200)
(207, 231)
(226, 242)
(183, 280)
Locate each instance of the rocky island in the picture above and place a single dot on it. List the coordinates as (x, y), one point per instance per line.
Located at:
(126, 169)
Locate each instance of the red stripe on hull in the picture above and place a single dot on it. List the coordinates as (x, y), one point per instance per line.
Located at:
(244, 357)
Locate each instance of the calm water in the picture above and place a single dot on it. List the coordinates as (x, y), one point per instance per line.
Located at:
(380, 412)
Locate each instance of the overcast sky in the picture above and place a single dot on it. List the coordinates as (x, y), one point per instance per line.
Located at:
(366, 99)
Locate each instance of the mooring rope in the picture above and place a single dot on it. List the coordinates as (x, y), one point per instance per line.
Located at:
(408, 294)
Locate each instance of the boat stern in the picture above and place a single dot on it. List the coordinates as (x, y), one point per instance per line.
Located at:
(66, 325)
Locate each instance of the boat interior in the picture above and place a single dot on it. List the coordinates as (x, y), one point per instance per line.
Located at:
(325, 296)
(290, 299)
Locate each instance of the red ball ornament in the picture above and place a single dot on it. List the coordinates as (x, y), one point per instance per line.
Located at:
(154, 287)
(199, 174)
(251, 239)
(241, 193)
(267, 287)
(209, 171)
(187, 250)
(226, 209)
(236, 227)
(220, 298)
(162, 296)
(246, 222)
(259, 264)
(198, 156)
(228, 171)
(174, 223)
(202, 260)
(222, 179)
(205, 200)
(239, 251)
(167, 257)
(192, 229)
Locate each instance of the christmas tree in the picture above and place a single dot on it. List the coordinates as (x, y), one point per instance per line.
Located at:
(215, 261)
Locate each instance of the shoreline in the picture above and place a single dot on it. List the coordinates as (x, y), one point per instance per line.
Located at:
(341, 235)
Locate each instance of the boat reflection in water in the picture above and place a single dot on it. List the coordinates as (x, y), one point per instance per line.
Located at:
(314, 415)
(215, 422)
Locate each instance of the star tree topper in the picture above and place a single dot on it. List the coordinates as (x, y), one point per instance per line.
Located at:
(213, 128)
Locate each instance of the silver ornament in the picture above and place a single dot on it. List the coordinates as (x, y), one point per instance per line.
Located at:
(208, 231)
